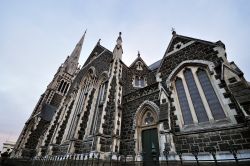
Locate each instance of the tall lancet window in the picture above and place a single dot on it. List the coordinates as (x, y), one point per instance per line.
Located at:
(210, 94)
(100, 100)
(198, 100)
(87, 83)
(186, 113)
(137, 81)
(142, 83)
(195, 96)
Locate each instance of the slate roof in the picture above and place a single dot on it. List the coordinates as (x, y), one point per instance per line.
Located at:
(155, 65)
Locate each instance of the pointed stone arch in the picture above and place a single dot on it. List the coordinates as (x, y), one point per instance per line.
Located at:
(91, 71)
(143, 108)
(208, 64)
(103, 77)
(146, 108)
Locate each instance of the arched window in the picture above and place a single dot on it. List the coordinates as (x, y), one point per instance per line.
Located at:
(186, 113)
(88, 82)
(60, 86)
(137, 83)
(142, 84)
(196, 95)
(210, 94)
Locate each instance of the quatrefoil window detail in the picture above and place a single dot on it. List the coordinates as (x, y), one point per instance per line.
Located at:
(148, 118)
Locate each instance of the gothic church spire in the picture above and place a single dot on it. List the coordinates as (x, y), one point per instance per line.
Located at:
(71, 63)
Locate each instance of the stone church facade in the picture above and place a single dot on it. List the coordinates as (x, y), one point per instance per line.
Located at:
(192, 100)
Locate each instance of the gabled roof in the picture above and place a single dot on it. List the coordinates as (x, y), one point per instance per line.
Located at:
(98, 49)
(236, 68)
(139, 59)
(184, 39)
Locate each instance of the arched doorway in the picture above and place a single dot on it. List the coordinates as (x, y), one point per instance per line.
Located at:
(147, 133)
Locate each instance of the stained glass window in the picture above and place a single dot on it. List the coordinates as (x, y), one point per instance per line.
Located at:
(141, 82)
(186, 114)
(211, 97)
(136, 81)
(195, 96)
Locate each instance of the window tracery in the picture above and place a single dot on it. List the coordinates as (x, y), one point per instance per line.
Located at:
(148, 118)
(196, 96)
(139, 81)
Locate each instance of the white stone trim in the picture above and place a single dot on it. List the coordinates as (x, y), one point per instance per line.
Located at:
(219, 93)
(137, 124)
(182, 46)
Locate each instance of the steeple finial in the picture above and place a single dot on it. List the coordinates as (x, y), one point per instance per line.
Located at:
(99, 41)
(119, 39)
(138, 54)
(82, 39)
(117, 53)
(173, 31)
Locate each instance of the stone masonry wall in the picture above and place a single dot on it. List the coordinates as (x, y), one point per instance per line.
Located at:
(220, 140)
(130, 105)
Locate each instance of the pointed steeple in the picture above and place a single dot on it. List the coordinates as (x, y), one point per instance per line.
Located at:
(76, 52)
(117, 53)
(71, 63)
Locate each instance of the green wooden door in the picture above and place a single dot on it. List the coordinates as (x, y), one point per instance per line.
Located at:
(150, 147)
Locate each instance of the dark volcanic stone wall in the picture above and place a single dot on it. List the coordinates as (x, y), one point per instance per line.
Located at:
(64, 123)
(51, 131)
(196, 51)
(108, 125)
(101, 64)
(34, 138)
(131, 103)
(219, 140)
(182, 40)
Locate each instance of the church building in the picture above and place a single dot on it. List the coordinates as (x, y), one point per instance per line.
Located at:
(192, 100)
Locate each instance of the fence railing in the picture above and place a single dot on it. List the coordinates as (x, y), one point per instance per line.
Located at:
(94, 159)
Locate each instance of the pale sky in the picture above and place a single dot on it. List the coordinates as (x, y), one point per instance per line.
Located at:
(37, 36)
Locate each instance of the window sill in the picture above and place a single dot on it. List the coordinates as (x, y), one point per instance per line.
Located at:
(207, 125)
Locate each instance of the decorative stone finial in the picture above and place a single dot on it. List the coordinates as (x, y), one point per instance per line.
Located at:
(99, 41)
(117, 53)
(173, 31)
(119, 40)
(138, 54)
(120, 36)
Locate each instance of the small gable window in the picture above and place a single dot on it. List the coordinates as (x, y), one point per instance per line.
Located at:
(139, 82)
(139, 65)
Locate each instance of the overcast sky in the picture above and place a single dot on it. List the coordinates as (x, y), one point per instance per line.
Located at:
(37, 36)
